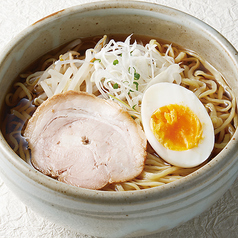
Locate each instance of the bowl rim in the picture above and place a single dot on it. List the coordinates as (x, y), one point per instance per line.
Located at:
(99, 196)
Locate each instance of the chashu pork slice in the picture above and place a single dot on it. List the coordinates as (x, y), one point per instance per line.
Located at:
(85, 141)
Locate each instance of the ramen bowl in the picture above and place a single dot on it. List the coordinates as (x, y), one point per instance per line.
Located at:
(130, 213)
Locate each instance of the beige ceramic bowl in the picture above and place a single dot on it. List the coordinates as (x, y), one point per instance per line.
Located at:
(111, 214)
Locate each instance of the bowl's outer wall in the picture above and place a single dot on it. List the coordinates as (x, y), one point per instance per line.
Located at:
(111, 215)
(116, 220)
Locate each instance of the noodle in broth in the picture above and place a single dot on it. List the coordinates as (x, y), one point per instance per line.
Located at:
(188, 68)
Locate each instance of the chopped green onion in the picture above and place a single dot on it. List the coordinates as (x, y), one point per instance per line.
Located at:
(115, 62)
(137, 85)
(115, 86)
(130, 91)
(136, 76)
(134, 107)
(99, 60)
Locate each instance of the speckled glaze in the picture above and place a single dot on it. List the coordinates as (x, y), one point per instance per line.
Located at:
(124, 214)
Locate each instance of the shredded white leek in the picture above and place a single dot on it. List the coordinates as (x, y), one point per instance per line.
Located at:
(119, 71)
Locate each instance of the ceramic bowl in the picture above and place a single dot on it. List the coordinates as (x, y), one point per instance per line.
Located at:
(119, 214)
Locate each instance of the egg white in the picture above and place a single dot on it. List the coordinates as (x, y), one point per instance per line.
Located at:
(162, 94)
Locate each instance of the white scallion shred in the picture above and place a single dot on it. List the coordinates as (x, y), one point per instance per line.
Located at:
(119, 71)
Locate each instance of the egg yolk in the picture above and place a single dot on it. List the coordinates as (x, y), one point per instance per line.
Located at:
(176, 127)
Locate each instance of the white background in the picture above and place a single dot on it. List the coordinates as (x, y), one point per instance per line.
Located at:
(17, 220)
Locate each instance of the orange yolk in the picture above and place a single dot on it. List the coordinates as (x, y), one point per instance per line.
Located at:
(176, 127)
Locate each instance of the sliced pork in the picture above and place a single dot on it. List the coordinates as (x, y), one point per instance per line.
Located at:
(85, 141)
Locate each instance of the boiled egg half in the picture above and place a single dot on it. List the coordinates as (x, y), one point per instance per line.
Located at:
(177, 125)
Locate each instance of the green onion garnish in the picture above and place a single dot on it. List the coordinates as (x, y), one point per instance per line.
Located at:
(99, 60)
(115, 62)
(137, 85)
(136, 76)
(115, 86)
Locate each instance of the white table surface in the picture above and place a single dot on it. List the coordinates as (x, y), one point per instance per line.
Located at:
(17, 220)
